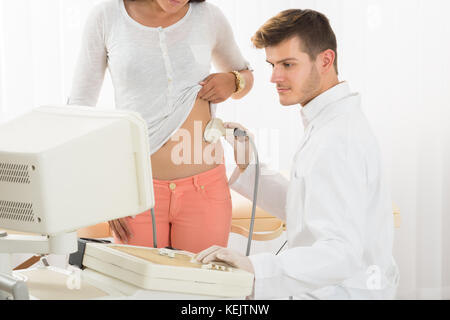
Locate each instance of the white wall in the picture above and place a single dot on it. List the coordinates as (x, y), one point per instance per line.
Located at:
(395, 53)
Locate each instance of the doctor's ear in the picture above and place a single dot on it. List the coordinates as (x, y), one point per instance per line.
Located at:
(325, 60)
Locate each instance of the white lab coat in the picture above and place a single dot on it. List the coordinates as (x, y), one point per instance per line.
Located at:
(337, 209)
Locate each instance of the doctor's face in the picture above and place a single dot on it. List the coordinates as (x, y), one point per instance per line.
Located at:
(296, 77)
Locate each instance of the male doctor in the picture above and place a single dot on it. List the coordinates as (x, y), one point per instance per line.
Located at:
(337, 210)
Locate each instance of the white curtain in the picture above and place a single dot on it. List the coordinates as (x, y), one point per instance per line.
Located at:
(395, 53)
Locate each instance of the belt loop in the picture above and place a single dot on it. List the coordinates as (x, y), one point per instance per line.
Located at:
(195, 178)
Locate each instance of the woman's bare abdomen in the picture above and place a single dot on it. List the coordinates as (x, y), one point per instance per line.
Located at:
(186, 153)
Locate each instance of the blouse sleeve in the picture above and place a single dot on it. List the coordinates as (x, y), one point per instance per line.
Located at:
(226, 55)
(92, 60)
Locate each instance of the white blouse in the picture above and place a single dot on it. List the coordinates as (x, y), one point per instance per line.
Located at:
(155, 71)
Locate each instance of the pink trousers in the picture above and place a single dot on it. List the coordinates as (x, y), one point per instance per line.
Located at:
(191, 214)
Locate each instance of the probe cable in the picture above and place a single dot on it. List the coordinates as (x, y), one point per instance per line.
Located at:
(242, 133)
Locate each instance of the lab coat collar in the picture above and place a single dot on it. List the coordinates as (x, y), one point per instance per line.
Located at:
(311, 110)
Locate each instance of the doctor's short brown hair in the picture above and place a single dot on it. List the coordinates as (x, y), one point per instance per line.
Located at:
(311, 27)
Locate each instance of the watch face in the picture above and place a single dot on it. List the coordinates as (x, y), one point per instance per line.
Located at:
(240, 82)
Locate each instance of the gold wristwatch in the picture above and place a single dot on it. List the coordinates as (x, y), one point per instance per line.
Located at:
(240, 81)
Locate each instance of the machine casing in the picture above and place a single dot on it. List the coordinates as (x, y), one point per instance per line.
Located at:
(68, 146)
(152, 275)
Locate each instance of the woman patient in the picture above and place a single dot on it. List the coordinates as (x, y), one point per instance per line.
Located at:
(159, 55)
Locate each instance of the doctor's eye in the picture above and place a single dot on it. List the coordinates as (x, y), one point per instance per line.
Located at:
(287, 65)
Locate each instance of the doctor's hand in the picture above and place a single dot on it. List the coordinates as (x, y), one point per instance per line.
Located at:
(233, 258)
(120, 229)
(243, 152)
(217, 87)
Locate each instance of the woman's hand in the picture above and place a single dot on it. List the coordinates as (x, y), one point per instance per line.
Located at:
(120, 229)
(218, 87)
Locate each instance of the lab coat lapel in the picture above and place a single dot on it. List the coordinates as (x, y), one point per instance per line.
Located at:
(296, 233)
(294, 207)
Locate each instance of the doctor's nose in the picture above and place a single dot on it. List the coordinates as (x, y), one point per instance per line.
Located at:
(277, 76)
